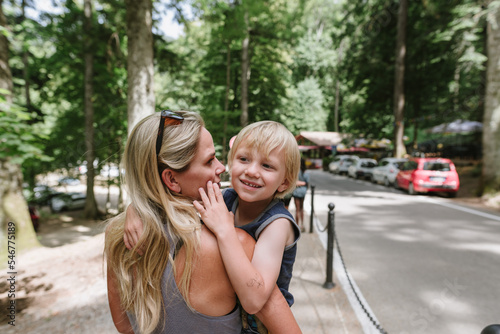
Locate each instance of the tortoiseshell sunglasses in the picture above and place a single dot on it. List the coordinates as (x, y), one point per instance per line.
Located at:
(168, 117)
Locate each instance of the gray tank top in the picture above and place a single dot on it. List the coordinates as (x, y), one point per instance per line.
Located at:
(180, 319)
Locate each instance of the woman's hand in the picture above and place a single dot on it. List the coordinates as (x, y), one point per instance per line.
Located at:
(213, 210)
(132, 230)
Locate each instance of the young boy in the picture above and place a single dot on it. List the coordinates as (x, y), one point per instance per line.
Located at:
(264, 162)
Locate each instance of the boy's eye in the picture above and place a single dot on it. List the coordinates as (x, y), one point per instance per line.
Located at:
(267, 166)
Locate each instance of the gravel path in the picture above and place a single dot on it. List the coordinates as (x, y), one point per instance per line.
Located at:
(59, 290)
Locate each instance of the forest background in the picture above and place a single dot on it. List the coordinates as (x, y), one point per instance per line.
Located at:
(75, 80)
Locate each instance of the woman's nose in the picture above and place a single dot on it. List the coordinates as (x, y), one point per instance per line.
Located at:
(220, 168)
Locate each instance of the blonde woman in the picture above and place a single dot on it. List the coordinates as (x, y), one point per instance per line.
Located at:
(178, 284)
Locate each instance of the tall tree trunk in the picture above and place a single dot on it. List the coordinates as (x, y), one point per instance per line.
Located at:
(13, 207)
(226, 101)
(399, 95)
(90, 210)
(25, 65)
(491, 119)
(5, 73)
(245, 69)
(336, 112)
(337, 93)
(140, 70)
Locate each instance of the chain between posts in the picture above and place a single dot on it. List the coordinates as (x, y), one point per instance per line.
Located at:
(332, 239)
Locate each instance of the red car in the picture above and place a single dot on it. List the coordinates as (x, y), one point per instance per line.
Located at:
(423, 175)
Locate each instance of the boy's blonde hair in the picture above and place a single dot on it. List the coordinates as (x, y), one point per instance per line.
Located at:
(264, 137)
(168, 217)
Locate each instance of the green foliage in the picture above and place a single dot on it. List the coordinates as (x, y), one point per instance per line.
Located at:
(300, 52)
(303, 110)
(17, 139)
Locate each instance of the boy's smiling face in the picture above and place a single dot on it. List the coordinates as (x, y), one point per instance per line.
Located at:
(256, 177)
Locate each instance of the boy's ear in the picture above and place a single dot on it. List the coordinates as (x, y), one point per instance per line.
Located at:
(168, 178)
(284, 186)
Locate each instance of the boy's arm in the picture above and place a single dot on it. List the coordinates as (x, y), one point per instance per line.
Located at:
(253, 281)
(276, 314)
(132, 230)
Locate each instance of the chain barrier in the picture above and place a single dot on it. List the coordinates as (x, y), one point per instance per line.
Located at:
(331, 245)
(320, 228)
(373, 321)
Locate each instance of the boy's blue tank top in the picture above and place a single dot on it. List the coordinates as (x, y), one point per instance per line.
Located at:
(276, 209)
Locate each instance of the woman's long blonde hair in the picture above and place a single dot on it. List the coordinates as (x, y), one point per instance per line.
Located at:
(167, 217)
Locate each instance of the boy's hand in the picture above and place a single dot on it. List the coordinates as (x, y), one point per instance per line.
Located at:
(213, 211)
(132, 230)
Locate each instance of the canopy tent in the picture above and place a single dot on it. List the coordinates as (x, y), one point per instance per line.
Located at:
(315, 145)
(324, 139)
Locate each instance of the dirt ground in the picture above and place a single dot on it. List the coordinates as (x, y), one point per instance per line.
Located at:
(61, 287)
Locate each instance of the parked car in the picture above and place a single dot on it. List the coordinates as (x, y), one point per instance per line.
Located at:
(387, 170)
(67, 201)
(423, 175)
(42, 194)
(363, 168)
(69, 181)
(341, 163)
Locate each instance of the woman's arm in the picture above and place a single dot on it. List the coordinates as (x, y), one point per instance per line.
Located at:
(277, 316)
(120, 319)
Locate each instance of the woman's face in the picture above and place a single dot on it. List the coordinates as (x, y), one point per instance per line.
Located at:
(204, 167)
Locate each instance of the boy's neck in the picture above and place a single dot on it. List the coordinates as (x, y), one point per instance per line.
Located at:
(246, 212)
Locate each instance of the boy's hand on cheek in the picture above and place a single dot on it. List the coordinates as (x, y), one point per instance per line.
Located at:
(213, 210)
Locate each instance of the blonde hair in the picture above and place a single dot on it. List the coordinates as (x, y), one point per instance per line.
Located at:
(266, 136)
(168, 218)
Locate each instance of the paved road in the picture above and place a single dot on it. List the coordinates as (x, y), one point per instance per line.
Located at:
(424, 264)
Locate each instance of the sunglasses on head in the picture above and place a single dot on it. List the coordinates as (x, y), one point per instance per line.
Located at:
(168, 117)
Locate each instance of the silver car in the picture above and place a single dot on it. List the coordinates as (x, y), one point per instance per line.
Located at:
(362, 168)
(341, 163)
(387, 170)
(69, 201)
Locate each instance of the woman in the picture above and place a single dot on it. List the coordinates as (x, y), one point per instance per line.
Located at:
(178, 284)
(299, 194)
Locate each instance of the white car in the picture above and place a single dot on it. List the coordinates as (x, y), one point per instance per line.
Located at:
(387, 170)
(341, 163)
(67, 201)
(362, 168)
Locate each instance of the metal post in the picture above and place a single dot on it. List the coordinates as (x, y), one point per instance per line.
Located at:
(312, 209)
(329, 251)
(491, 329)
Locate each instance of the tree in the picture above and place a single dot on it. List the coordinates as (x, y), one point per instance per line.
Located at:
(303, 109)
(245, 71)
(399, 76)
(90, 210)
(140, 77)
(491, 129)
(14, 215)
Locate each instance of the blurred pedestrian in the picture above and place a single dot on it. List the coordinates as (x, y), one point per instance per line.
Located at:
(300, 193)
